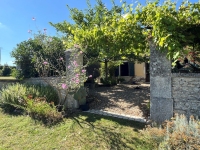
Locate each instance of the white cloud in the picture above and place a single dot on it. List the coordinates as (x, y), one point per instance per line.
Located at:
(2, 25)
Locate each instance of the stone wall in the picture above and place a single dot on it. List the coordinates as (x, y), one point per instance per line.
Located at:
(186, 93)
(171, 93)
(4, 83)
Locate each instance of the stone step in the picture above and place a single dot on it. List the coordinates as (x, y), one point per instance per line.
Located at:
(122, 116)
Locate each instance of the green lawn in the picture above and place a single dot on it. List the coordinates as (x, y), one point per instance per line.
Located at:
(7, 78)
(81, 131)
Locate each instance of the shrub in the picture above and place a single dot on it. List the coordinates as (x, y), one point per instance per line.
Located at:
(93, 69)
(109, 81)
(176, 134)
(15, 94)
(40, 110)
(38, 100)
(17, 74)
(6, 70)
(119, 79)
(46, 91)
(112, 66)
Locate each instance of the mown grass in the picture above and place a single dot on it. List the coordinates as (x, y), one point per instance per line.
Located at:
(81, 131)
(7, 78)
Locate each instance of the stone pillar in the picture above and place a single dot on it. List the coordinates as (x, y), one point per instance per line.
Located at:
(161, 102)
(79, 59)
(67, 56)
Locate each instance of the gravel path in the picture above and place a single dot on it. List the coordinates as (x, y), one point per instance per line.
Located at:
(122, 99)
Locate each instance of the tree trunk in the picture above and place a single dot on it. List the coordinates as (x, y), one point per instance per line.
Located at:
(106, 68)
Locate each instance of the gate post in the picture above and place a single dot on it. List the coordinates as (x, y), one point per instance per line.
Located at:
(161, 102)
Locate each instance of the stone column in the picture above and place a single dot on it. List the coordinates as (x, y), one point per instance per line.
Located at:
(79, 59)
(67, 56)
(161, 102)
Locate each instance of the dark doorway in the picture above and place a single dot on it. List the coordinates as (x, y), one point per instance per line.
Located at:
(124, 69)
(147, 72)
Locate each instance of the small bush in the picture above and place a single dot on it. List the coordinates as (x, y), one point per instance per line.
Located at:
(176, 134)
(120, 79)
(46, 91)
(109, 81)
(6, 70)
(17, 74)
(40, 110)
(15, 94)
(38, 100)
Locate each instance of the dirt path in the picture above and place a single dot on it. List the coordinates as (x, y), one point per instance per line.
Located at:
(122, 99)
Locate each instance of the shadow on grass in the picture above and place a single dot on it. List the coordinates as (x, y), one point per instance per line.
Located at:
(117, 133)
(92, 118)
(38, 119)
(11, 110)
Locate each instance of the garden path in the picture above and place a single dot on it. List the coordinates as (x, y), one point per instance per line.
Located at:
(130, 101)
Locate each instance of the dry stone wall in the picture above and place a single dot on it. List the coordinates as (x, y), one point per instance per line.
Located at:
(186, 93)
(4, 83)
(171, 93)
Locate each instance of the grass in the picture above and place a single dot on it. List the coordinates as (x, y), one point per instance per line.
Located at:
(81, 131)
(7, 78)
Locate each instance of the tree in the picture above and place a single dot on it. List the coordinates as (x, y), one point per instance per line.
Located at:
(27, 52)
(6, 71)
(105, 34)
(119, 32)
(171, 29)
(23, 55)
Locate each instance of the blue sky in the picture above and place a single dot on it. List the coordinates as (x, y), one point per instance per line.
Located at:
(16, 19)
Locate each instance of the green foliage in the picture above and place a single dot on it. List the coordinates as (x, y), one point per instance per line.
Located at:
(170, 28)
(111, 66)
(46, 91)
(80, 95)
(105, 34)
(39, 109)
(6, 71)
(176, 134)
(17, 74)
(94, 70)
(108, 81)
(27, 52)
(119, 79)
(16, 94)
(38, 100)
(122, 33)
(23, 54)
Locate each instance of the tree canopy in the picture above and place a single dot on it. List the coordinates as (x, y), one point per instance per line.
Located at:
(104, 34)
(122, 30)
(41, 46)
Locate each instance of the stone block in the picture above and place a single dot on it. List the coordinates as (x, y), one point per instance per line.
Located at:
(161, 109)
(159, 64)
(160, 87)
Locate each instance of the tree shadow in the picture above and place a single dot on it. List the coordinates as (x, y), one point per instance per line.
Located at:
(125, 99)
(111, 134)
(38, 119)
(11, 110)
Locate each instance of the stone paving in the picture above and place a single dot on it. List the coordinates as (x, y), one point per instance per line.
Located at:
(122, 116)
